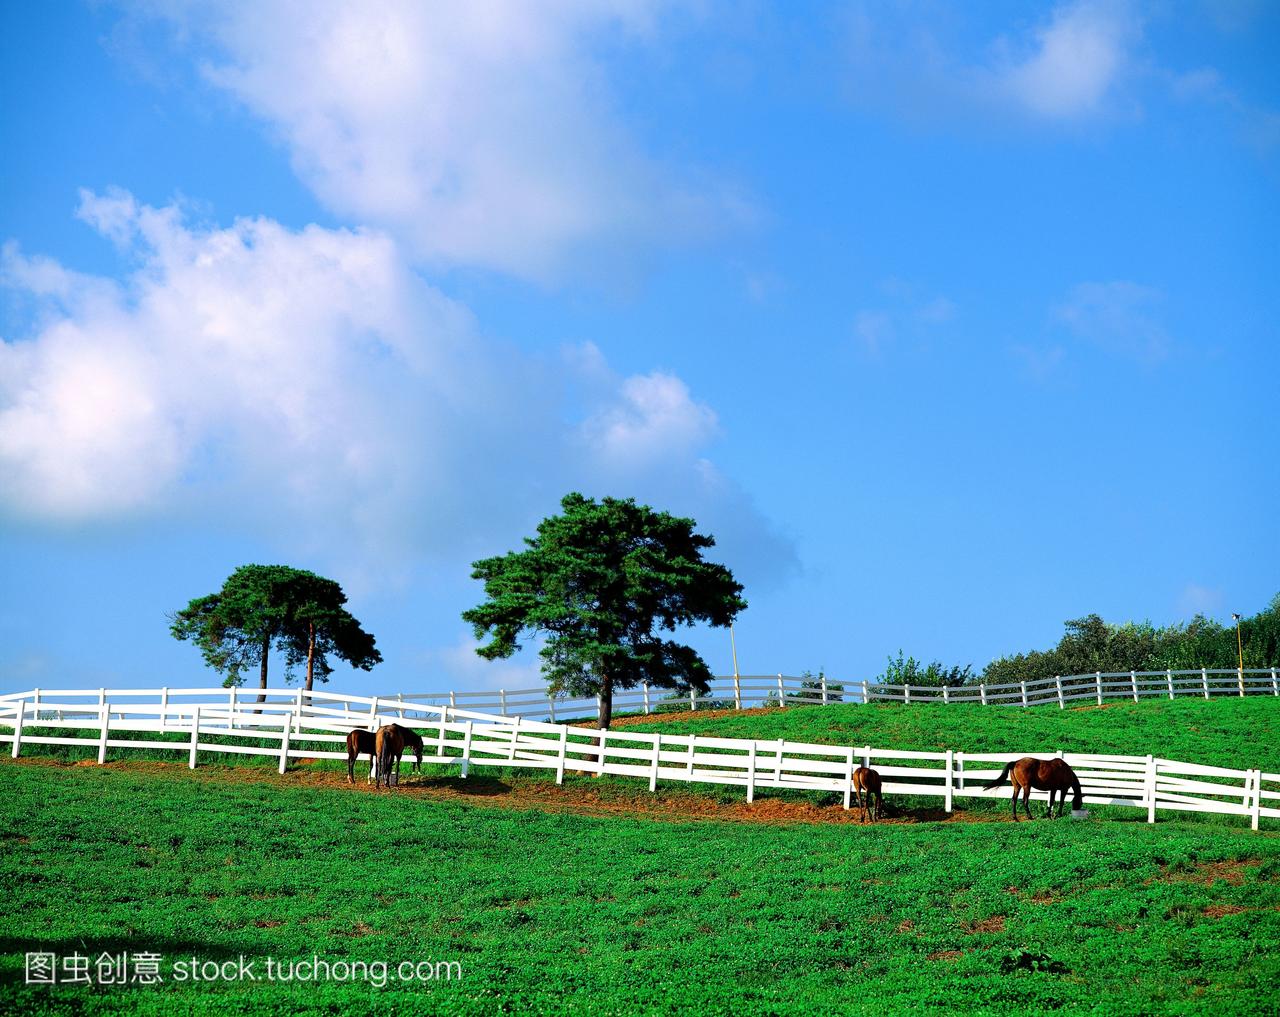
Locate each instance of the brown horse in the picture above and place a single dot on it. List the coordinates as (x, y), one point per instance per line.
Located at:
(388, 748)
(867, 780)
(412, 740)
(358, 743)
(1052, 775)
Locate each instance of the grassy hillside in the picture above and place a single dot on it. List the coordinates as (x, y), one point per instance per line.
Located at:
(1219, 732)
(554, 912)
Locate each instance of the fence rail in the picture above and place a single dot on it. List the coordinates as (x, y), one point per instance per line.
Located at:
(749, 691)
(292, 724)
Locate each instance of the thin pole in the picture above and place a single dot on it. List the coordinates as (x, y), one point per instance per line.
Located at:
(1240, 653)
(733, 644)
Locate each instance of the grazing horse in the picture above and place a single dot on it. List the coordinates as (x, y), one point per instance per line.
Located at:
(358, 743)
(412, 740)
(1052, 775)
(388, 748)
(867, 780)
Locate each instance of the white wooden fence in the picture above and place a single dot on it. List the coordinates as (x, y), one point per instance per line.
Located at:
(747, 691)
(291, 724)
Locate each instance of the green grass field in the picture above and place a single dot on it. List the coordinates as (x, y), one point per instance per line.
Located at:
(551, 912)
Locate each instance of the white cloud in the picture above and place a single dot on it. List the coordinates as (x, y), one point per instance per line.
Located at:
(482, 134)
(652, 419)
(909, 313)
(310, 386)
(1074, 62)
(1069, 66)
(1120, 317)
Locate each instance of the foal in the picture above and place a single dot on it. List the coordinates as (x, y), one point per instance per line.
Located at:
(388, 748)
(867, 780)
(1052, 775)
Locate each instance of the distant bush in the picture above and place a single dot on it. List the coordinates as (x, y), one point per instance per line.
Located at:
(909, 671)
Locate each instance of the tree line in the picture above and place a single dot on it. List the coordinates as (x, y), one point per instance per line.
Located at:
(601, 586)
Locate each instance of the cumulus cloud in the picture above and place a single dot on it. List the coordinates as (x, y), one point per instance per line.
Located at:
(1074, 61)
(310, 384)
(481, 134)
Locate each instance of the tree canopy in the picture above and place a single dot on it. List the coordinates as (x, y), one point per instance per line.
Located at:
(600, 582)
(298, 612)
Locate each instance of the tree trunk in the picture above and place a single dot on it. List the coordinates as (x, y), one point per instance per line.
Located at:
(311, 652)
(606, 699)
(262, 673)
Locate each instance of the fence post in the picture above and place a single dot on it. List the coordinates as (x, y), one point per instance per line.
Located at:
(1256, 809)
(604, 735)
(551, 705)
(1151, 789)
(298, 713)
(1133, 680)
(17, 727)
(164, 705)
(102, 741)
(657, 753)
(960, 770)
(646, 698)
(444, 732)
(1168, 678)
(865, 698)
(751, 773)
(982, 692)
(400, 700)
(782, 692)
(1240, 674)
(848, 778)
(689, 762)
(737, 694)
(452, 700)
(946, 694)
(35, 705)
(231, 708)
(502, 703)
(1097, 678)
(1062, 704)
(950, 765)
(1024, 693)
(195, 738)
(373, 713)
(824, 688)
(466, 748)
(287, 726)
(693, 699)
(1275, 689)
(777, 763)
(906, 692)
(564, 748)
(866, 755)
(515, 733)
(1204, 682)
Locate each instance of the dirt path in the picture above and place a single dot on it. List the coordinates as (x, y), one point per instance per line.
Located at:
(579, 794)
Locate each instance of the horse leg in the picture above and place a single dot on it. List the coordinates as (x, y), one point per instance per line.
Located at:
(351, 768)
(1052, 793)
(1026, 800)
(879, 810)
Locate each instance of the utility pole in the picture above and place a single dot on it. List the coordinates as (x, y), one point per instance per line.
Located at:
(1240, 654)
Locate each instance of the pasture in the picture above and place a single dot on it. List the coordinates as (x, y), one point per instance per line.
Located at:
(615, 901)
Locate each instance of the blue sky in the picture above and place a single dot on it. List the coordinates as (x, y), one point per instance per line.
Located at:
(951, 322)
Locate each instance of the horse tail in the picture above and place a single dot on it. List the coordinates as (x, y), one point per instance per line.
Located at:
(385, 754)
(1004, 775)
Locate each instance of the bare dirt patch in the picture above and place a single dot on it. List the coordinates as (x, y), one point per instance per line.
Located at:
(946, 955)
(993, 924)
(1222, 910)
(1232, 872)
